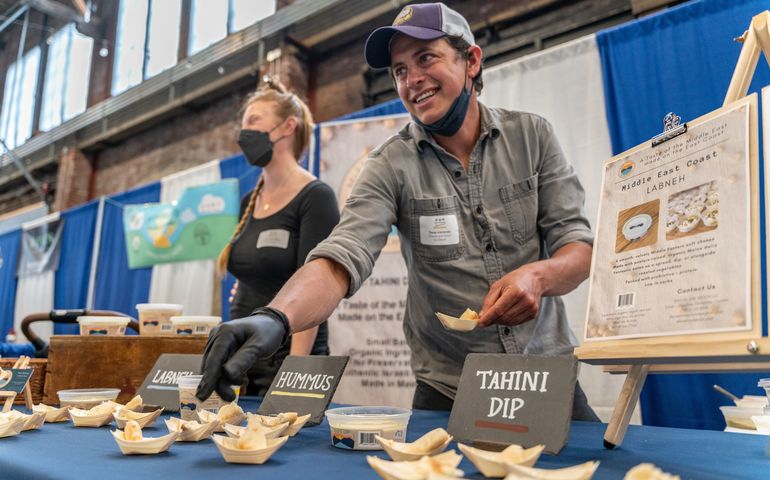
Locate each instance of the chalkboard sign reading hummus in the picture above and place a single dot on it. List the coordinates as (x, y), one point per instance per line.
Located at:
(304, 384)
(523, 399)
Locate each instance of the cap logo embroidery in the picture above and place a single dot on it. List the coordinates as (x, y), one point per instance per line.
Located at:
(404, 16)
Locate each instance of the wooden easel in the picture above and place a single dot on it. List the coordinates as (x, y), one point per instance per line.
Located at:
(713, 352)
(21, 363)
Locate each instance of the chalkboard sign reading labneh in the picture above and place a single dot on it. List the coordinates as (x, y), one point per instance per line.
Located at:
(160, 385)
(304, 384)
(522, 399)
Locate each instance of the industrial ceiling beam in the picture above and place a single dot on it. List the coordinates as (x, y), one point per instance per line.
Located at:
(12, 17)
(24, 171)
(58, 10)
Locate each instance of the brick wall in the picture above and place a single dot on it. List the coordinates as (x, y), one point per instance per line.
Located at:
(338, 83)
(168, 147)
(189, 139)
(73, 179)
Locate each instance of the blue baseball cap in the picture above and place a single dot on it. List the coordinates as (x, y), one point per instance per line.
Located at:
(423, 21)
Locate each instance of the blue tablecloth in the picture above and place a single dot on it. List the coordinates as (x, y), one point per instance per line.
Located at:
(61, 451)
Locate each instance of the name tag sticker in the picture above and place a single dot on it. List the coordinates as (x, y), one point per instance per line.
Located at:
(439, 230)
(277, 238)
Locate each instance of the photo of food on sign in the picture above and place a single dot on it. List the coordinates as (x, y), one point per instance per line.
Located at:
(637, 227)
(693, 211)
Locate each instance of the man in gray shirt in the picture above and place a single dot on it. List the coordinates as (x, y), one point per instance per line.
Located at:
(488, 210)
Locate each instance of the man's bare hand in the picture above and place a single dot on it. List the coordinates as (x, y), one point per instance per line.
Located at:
(513, 299)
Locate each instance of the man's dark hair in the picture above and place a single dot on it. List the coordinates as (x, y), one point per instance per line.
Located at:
(461, 47)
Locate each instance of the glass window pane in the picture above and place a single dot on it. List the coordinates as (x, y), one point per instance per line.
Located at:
(208, 23)
(163, 36)
(65, 91)
(50, 113)
(26, 101)
(249, 12)
(13, 108)
(78, 73)
(129, 45)
(5, 124)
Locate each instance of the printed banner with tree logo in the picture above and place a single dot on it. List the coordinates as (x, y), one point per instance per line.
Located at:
(196, 227)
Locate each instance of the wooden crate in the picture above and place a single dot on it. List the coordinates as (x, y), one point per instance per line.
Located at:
(76, 361)
(36, 381)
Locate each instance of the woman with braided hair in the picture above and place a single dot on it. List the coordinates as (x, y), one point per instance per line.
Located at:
(286, 215)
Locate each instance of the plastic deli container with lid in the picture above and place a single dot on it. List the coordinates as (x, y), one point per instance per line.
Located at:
(86, 397)
(194, 325)
(155, 318)
(189, 403)
(354, 428)
(103, 325)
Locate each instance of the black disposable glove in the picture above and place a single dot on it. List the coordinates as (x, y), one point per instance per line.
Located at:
(235, 346)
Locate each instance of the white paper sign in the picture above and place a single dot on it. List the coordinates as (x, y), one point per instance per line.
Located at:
(672, 251)
(368, 327)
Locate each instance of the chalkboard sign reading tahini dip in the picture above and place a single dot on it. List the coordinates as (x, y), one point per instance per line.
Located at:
(524, 399)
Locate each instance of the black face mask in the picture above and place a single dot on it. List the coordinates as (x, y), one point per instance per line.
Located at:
(256, 146)
(453, 119)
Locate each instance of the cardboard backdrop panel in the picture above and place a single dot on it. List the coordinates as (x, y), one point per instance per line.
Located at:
(368, 326)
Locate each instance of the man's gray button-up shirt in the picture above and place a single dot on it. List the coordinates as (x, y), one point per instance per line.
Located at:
(519, 201)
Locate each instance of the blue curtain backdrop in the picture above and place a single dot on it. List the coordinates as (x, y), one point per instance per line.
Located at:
(391, 107)
(680, 60)
(9, 254)
(71, 285)
(117, 287)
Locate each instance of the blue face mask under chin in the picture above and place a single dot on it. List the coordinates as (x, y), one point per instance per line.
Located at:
(453, 119)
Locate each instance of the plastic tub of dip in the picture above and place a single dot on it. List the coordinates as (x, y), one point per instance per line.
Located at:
(354, 428)
(193, 325)
(155, 318)
(189, 403)
(103, 325)
(86, 398)
(740, 417)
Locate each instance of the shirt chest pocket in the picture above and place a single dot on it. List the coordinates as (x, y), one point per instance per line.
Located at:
(520, 203)
(435, 229)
